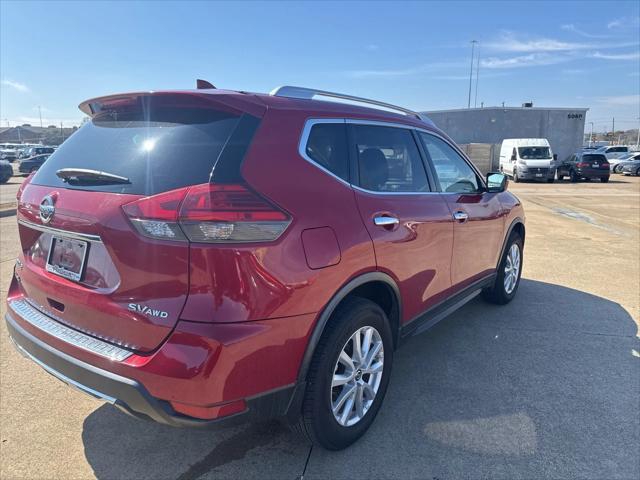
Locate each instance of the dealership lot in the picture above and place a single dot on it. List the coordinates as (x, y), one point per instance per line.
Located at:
(546, 386)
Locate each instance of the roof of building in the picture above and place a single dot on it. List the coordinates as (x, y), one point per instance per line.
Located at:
(460, 110)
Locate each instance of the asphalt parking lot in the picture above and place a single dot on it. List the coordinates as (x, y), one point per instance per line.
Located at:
(548, 386)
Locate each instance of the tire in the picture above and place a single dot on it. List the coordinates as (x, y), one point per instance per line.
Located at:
(550, 180)
(604, 179)
(515, 176)
(573, 176)
(5, 179)
(638, 172)
(318, 422)
(499, 293)
(560, 177)
(617, 168)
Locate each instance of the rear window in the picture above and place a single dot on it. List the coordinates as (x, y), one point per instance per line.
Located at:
(157, 143)
(41, 150)
(594, 158)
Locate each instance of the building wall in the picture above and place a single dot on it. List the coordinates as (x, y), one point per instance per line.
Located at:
(564, 128)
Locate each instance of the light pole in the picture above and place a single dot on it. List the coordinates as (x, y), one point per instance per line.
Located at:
(475, 100)
(591, 136)
(40, 113)
(473, 47)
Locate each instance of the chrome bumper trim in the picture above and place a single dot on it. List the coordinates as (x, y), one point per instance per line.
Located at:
(57, 231)
(67, 334)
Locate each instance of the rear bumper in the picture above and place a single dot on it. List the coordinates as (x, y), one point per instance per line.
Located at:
(131, 396)
(586, 173)
(192, 370)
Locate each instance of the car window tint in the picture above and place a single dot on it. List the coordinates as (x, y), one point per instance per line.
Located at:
(327, 146)
(454, 173)
(388, 160)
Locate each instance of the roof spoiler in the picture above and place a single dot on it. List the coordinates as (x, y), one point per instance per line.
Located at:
(204, 85)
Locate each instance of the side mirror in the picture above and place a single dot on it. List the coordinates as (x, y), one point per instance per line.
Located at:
(496, 182)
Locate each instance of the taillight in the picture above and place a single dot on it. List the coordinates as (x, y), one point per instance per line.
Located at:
(208, 213)
(230, 213)
(23, 185)
(157, 216)
(582, 165)
(604, 165)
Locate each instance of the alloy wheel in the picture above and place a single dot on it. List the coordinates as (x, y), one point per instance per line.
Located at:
(357, 375)
(512, 269)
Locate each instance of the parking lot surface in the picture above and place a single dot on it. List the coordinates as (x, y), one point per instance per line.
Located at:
(547, 386)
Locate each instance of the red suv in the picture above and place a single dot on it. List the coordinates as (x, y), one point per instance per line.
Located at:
(208, 255)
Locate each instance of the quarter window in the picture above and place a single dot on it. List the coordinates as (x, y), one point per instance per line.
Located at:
(388, 160)
(327, 146)
(454, 173)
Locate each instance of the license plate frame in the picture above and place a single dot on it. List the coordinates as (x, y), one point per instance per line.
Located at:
(595, 165)
(56, 260)
(538, 174)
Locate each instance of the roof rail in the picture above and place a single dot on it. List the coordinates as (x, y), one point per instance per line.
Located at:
(309, 93)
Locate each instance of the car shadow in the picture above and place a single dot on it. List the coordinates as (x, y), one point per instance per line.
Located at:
(546, 386)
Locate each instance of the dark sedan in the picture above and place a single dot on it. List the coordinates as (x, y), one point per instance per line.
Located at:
(586, 165)
(32, 164)
(6, 171)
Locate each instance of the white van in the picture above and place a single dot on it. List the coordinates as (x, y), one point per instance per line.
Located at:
(527, 159)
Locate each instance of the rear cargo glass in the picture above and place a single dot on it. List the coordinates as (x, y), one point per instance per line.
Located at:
(594, 158)
(157, 145)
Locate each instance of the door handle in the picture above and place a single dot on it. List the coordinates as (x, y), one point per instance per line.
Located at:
(460, 216)
(385, 221)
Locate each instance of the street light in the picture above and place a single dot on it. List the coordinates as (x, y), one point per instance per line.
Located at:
(473, 47)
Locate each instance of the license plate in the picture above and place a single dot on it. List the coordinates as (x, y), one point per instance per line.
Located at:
(67, 257)
(595, 165)
(538, 174)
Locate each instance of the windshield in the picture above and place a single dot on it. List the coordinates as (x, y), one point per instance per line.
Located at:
(534, 153)
(158, 148)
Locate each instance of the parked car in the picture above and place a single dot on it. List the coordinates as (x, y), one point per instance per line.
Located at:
(613, 151)
(631, 168)
(33, 151)
(527, 159)
(22, 150)
(273, 274)
(618, 164)
(8, 152)
(32, 164)
(6, 171)
(584, 165)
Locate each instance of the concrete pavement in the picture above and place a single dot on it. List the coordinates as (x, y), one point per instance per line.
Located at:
(547, 386)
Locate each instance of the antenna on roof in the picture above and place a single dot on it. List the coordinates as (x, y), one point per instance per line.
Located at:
(204, 85)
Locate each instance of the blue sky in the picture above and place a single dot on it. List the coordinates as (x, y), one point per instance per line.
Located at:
(563, 54)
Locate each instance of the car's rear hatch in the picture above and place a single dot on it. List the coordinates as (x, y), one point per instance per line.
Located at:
(87, 261)
(594, 164)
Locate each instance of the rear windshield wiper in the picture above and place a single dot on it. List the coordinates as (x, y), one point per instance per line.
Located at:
(82, 175)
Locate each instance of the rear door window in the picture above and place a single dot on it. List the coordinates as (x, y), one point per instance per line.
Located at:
(388, 160)
(158, 143)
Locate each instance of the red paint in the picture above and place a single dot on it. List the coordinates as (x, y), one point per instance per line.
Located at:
(239, 316)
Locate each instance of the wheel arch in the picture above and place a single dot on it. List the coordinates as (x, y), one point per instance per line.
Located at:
(517, 225)
(375, 286)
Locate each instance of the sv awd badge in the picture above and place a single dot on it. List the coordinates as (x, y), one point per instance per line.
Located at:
(151, 312)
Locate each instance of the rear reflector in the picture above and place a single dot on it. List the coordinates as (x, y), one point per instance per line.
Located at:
(208, 213)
